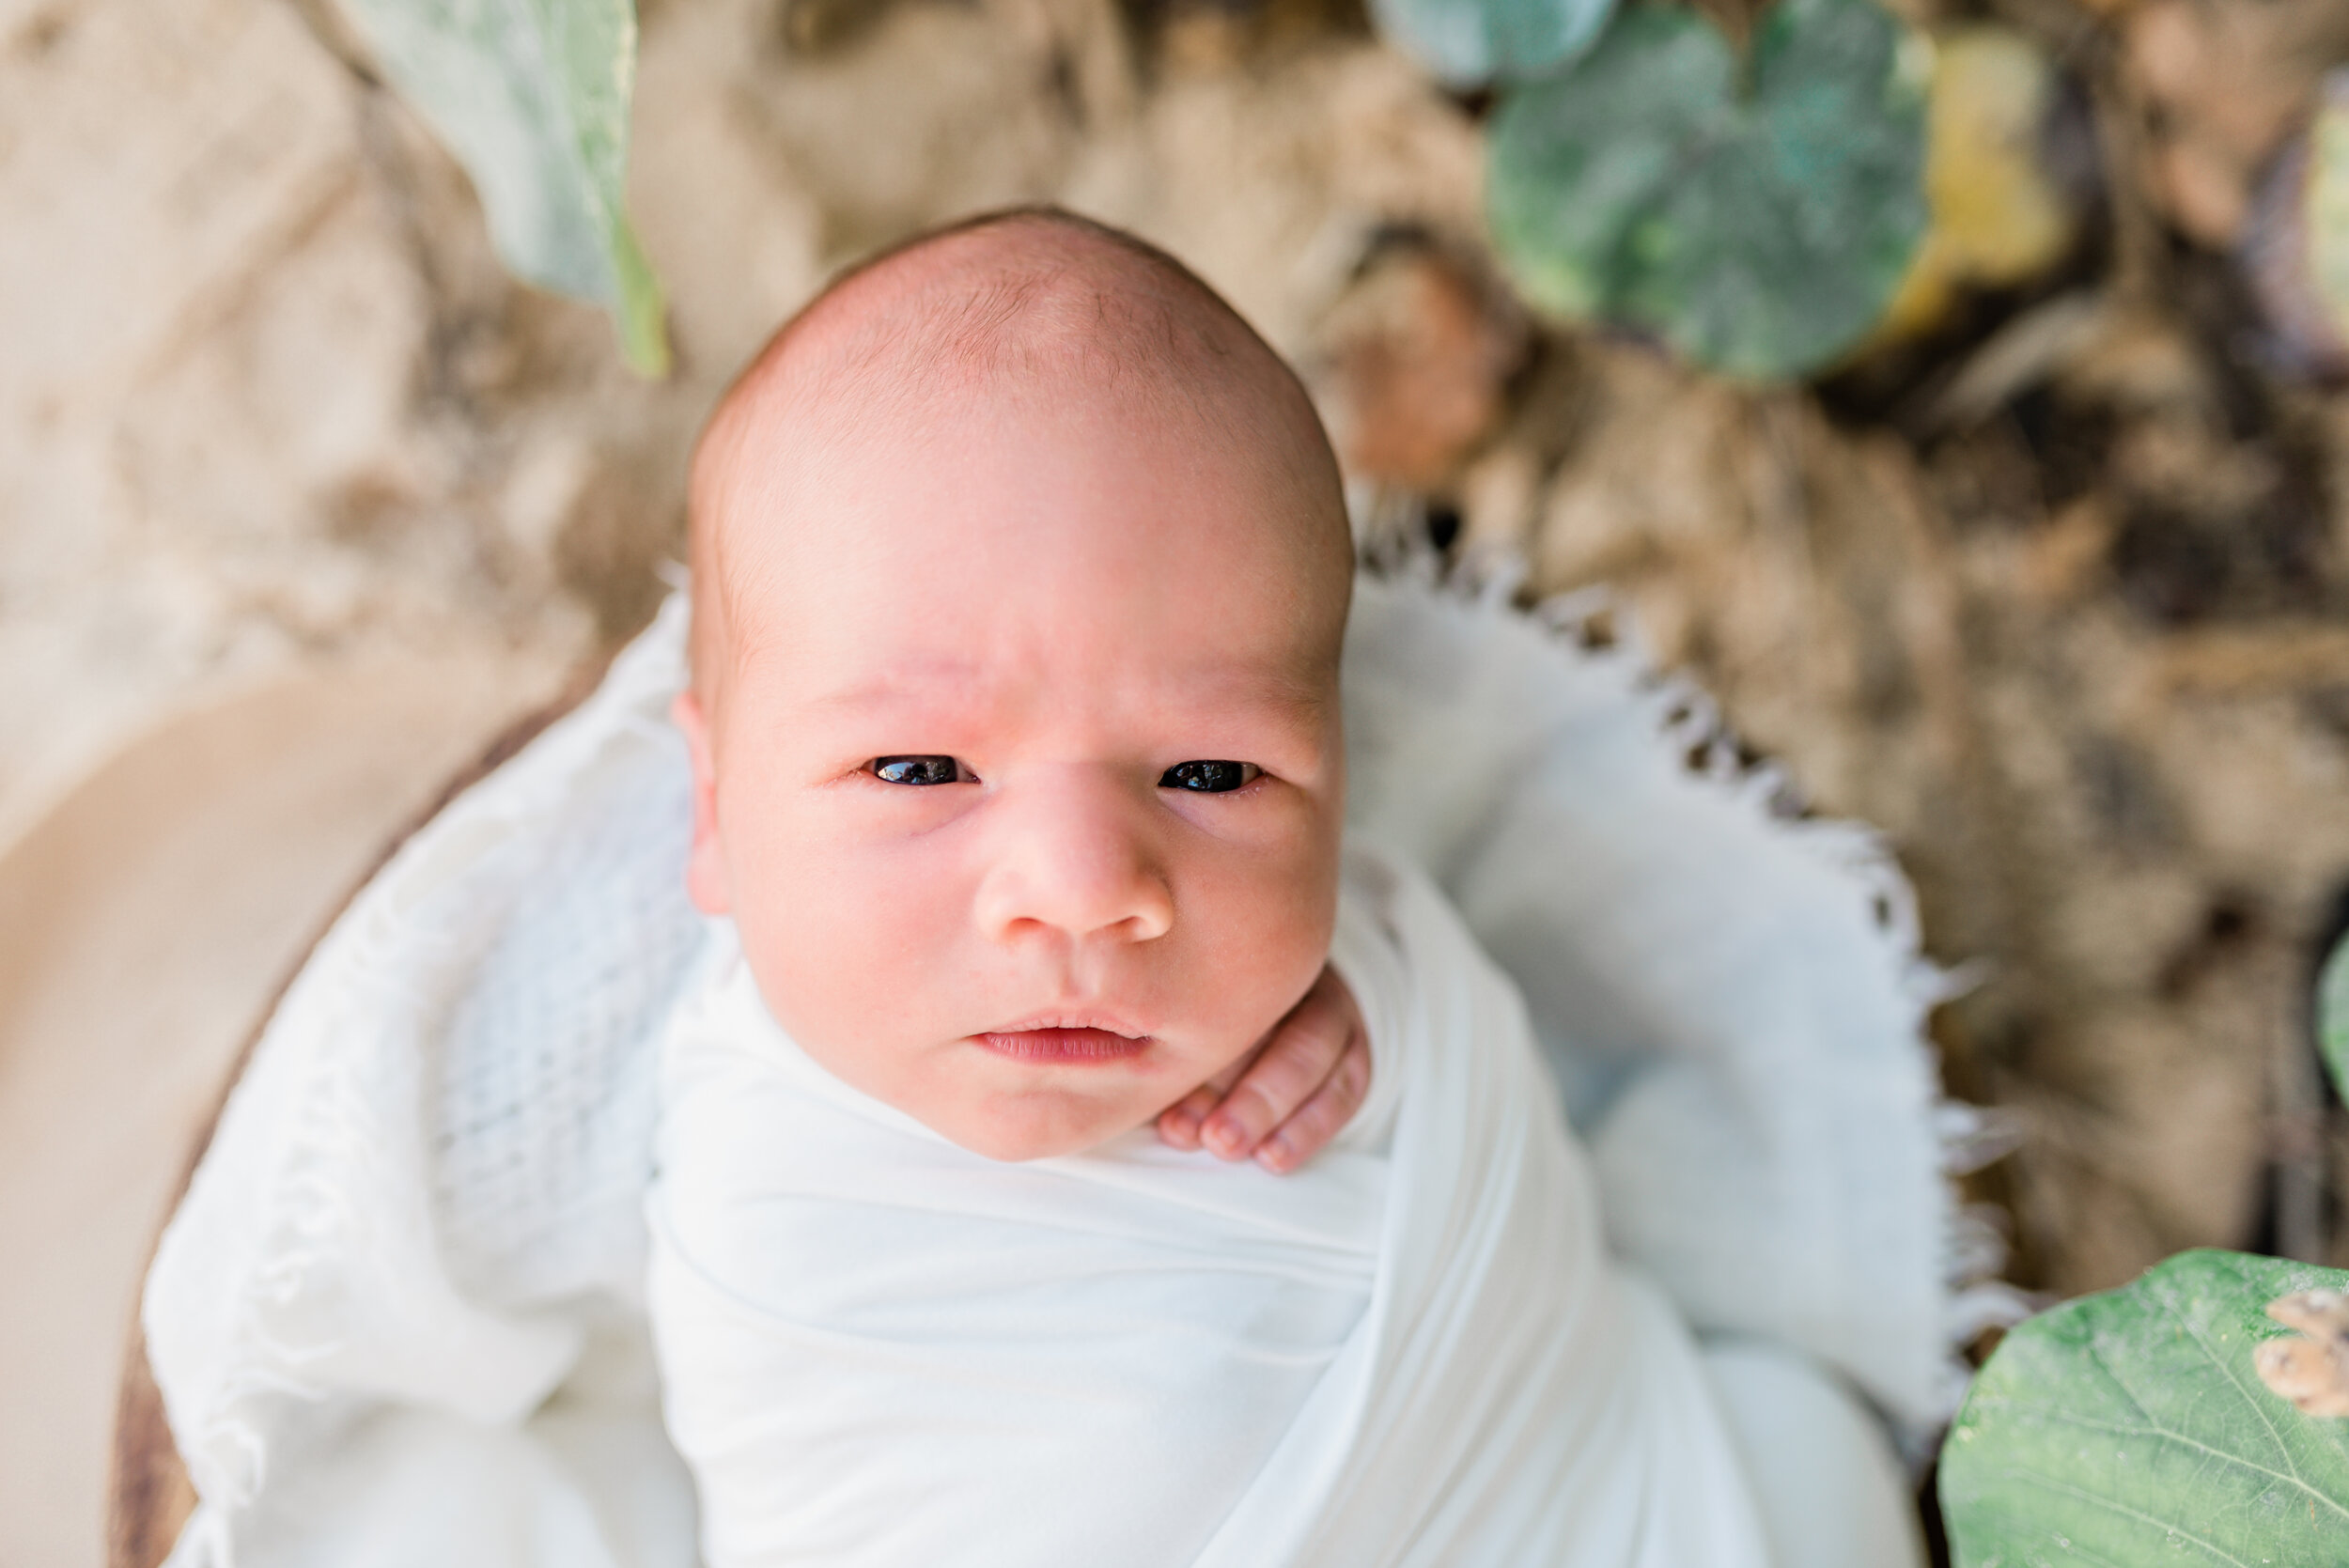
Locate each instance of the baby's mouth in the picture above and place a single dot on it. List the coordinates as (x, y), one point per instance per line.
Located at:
(1069, 1047)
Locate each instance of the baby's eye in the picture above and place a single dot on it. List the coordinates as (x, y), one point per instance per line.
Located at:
(1209, 778)
(918, 771)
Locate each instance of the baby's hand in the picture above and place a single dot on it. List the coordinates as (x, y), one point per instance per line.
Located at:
(1287, 1099)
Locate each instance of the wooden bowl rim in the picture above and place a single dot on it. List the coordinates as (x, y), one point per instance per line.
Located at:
(148, 1494)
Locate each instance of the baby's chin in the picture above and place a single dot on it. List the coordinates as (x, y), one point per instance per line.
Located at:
(1016, 1112)
(1042, 1125)
(999, 1101)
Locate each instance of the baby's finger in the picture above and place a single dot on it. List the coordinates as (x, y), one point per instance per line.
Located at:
(1321, 1118)
(1180, 1123)
(1303, 1051)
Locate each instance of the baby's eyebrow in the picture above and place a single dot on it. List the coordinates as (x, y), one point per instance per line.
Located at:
(960, 687)
(955, 682)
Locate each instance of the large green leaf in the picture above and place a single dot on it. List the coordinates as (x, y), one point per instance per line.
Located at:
(1468, 43)
(1759, 226)
(2332, 1016)
(533, 98)
(2131, 1429)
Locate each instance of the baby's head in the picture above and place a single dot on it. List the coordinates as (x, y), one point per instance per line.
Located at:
(1020, 575)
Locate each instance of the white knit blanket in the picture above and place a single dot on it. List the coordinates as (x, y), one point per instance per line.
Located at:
(877, 1347)
(399, 1315)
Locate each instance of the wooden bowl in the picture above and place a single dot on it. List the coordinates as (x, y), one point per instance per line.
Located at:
(144, 923)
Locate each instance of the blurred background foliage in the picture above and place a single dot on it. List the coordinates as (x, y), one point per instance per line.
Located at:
(1952, 388)
(2128, 1426)
(1756, 213)
(533, 98)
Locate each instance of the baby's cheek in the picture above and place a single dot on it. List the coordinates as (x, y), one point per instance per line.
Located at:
(848, 946)
(1266, 935)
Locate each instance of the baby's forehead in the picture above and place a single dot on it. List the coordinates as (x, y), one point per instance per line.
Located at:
(1051, 321)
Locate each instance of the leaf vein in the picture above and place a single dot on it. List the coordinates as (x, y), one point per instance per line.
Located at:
(2037, 1477)
(2156, 1430)
(2226, 1370)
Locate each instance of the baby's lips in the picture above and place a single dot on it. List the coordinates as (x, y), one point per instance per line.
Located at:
(1074, 1046)
(1103, 1020)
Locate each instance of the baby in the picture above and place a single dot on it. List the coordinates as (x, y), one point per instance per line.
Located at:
(1030, 498)
(1021, 577)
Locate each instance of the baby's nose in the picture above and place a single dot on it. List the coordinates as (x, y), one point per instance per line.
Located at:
(1074, 853)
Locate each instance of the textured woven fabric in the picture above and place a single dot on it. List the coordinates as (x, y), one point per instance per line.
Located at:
(1732, 1000)
(422, 1199)
(541, 1101)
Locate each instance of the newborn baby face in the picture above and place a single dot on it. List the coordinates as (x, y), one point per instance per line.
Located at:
(1016, 722)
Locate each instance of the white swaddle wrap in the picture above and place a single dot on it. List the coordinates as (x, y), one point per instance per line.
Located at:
(879, 1347)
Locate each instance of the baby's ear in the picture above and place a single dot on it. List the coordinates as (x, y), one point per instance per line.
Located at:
(705, 865)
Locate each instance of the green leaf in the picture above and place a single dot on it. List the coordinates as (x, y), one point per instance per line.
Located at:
(2131, 1428)
(1759, 226)
(1468, 43)
(2324, 200)
(532, 96)
(2332, 1016)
